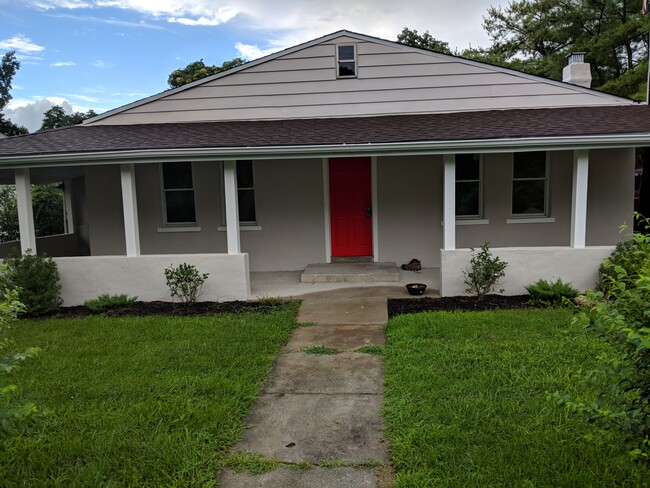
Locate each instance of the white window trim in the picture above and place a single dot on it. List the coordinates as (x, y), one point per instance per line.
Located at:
(530, 218)
(244, 225)
(338, 60)
(473, 218)
(176, 225)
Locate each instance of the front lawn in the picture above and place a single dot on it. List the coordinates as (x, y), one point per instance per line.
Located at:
(138, 401)
(465, 403)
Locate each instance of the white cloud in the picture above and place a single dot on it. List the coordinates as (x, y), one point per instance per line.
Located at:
(29, 113)
(83, 98)
(21, 44)
(251, 51)
(58, 64)
(288, 22)
(52, 4)
(99, 64)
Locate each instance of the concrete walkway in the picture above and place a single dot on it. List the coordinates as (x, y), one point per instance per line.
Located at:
(324, 408)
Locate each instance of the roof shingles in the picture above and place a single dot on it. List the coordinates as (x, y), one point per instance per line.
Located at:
(485, 125)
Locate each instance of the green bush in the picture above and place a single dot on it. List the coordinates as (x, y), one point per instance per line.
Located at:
(628, 255)
(36, 278)
(621, 319)
(545, 292)
(108, 302)
(484, 272)
(11, 415)
(185, 282)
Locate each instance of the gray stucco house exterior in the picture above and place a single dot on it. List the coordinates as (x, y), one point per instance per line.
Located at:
(344, 146)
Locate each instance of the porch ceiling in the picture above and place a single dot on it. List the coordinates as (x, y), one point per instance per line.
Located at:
(236, 138)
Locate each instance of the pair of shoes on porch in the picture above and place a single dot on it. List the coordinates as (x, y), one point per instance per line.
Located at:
(413, 265)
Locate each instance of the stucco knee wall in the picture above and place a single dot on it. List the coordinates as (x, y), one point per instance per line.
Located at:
(526, 266)
(87, 277)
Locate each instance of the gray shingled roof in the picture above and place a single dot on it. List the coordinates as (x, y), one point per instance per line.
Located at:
(485, 125)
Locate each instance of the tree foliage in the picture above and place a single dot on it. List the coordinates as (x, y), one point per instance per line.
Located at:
(47, 205)
(198, 70)
(410, 37)
(56, 117)
(537, 35)
(621, 320)
(8, 67)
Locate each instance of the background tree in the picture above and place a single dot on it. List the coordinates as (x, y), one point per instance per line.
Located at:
(197, 70)
(8, 67)
(47, 204)
(410, 37)
(537, 35)
(56, 117)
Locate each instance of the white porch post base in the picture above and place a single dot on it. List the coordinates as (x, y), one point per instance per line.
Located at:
(25, 212)
(579, 199)
(130, 206)
(232, 206)
(449, 203)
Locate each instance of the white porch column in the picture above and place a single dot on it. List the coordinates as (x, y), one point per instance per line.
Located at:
(579, 198)
(25, 212)
(130, 206)
(449, 203)
(232, 206)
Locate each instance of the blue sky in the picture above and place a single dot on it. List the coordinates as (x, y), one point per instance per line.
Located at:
(102, 54)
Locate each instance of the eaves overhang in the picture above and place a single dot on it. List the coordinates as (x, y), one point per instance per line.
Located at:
(418, 148)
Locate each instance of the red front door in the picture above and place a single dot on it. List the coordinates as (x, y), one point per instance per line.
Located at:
(350, 207)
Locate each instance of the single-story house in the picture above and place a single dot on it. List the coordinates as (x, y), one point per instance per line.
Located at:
(345, 146)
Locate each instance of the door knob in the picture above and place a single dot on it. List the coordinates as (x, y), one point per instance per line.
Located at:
(369, 212)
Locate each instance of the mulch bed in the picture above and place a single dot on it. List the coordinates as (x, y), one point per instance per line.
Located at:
(396, 306)
(401, 306)
(143, 309)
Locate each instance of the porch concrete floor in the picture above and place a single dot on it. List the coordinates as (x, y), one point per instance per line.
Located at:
(350, 272)
(287, 284)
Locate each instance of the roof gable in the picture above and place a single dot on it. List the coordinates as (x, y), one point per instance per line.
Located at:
(301, 82)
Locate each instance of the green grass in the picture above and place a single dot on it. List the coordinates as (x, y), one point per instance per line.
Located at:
(465, 403)
(321, 350)
(373, 350)
(152, 401)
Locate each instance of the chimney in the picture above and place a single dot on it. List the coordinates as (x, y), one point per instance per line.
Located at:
(577, 71)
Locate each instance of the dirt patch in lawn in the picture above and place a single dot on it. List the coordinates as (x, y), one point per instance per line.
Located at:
(142, 309)
(401, 306)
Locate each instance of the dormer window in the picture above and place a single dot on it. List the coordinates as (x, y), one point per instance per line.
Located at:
(346, 59)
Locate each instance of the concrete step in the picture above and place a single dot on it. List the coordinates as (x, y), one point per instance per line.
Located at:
(350, 273)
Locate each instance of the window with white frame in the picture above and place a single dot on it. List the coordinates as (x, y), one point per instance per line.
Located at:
(468, 186)
(246, 192)
(178, 193)
(346, 61)
(530, 184)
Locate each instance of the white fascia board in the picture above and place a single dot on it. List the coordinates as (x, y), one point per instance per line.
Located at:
(326, 151)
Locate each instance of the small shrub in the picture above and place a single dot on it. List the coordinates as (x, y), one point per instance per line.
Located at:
(11, 416)
(484, 272)
(627, 255)
(185, 282)
(108, 302)
(36, 278)
(271, 302)
(620, 320)
(544, 292)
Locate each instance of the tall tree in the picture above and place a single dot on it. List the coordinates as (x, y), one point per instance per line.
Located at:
(410, 37)
(56, 117)
(8, 67)
(538, 34)
(197, 70)
(47, 204)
